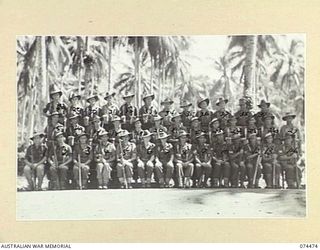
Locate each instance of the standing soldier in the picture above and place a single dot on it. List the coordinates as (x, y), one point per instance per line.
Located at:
(203, 158)
(268, 127)
(243, 114)
(195, 129)
(126, 155)
(221, 166)
(214, 127)
(253, 161)
(157, 129)
(74, 129)
(95, 130)
(204, 114)
(232, 128)
(82, 158)
(167, 106)
(34, 159)
(128, 112)
(55, 105)
(146, 157)
(148, 110)
(164, 161)
(222, 114)
(109, 110)
(186, 115)
(288, 157)
(237, 161)
(289, 127)
(105, 159)
(184, 160)
(75, 107)
(59, 158)
(271, 168)
(92, 109)
(264, 106)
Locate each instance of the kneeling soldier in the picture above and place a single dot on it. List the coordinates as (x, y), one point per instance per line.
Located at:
(203, 161)
(164, 161)
(184, 160)
(34, 160)
(82, 157)
(146, 158)
(59, 158)
(126, 154)
(105, 158)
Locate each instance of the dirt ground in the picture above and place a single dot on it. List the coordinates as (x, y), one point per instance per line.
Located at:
(160, 203)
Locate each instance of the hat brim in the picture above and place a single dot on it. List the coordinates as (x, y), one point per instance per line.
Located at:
(56, 92)
(224, 100)
(112, 95)
(267, 103)
(147, 96)
(84, 134)
(127, 96)
(163, 102)
(287, 116)
(93, 97)
(186, 105)
(203, 100)
(35, 135)
(163, 137)
(75, 96)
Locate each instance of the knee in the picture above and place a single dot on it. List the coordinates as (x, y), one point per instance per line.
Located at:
(140, 164)
(179, 165)
(52, 170)
(158, 165)
(170, 166)
(190, 165)
(235, 166)
(198, 165)
(150, 165)
(27, 170)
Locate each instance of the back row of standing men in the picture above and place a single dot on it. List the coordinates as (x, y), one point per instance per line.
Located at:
(187, 148)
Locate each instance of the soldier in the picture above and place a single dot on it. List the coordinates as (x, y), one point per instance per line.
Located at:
(128, 112)
(184, 160)
(34, 159)
(195, 129)
(92, 109)
(204, 114)
(126, 155)
(146, 157)
(109, 110)
(288, 157)
(232, 127)
(105, 159)
(222, 114)
(289, 127)
(74, 129)
(221, 165)
(95, 130)
(53, 127)
(157, 129)
(253, 161)
(59, 158)
(251, 128)
(243, 114)
(82, 158)
(186, 115)
(167, 103)
(75, 107)
(268, 127)
(166, 118)
(148, 109)
(271, 168)
(214, 126)
(264, 106)
(55, 105)
(237, 161)
(203, 159)
(164, 161)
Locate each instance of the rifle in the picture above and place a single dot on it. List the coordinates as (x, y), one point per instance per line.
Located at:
(256, 168)
(121, 158)
(55, 160)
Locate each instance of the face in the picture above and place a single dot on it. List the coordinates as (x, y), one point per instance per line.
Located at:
(242, 106)
(203, 105)
(222, 105)
(128, 99)
(162, 114)
(55, 119)
(137, 125)
(220, 137)
(183, 139)
(104, 138)
(125, 139)
(37, 140)
(253, 139)
(96, 123)
(83, 139)
(195, 123)
(56, 96)
(289, 119)
(268, 122)
(60, 139)
(269, 139)
(177, 120)
(215, 124)
(148, 101)
(74, 100)
(92, 101)
(74, 121)
(109, 98)
(251, 122)
(288, 140)
(116, 123)
(202, 139)
(166, 105)
(264, 107)
(233, 122)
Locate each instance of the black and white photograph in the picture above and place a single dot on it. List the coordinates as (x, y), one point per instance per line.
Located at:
(160, 127)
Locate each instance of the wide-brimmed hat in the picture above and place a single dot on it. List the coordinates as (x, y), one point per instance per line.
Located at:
(58, 134)
(116, 118)
(195, 118)
(185, 103)
(201, 134)
(252, 135)
(123, 133)
(157, 118)
(220, 100)
(83, 134)
(175, 116)
(55, 90)
(219, 132)
(268, 116)
(236, 136)
(54, 113)
(264, 102)
(96, 118)
(289, 134)
(163, 135)
(203, 100)
(108, 94)
(288, 115)
(214, 120)
(128, 94)
(268, 135)
(167, 100)
(102, 133)
(182, 133)
(74, 95)
(73, 116)
(37, 133)
(148, 95)
(146, 133)
(93, 96)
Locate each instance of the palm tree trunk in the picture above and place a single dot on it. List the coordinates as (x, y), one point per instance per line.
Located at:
(151, 75)
(109, 62)
(137, 71)
(250, 66)
(43, 94)
(79, 51)
(24, 114)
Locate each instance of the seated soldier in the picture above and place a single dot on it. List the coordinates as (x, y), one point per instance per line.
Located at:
(126, 155)
(204, 114)
(146, 157)
(55, 105)
(203, 159)
(74, 129)
(184, 160)
(34, 159)
(164, 161)
(82, 158)
(222, 114)
(186, 115)
(59, 158)
(109, 110)
(271, 168)
(237, 161)
(105, 159)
